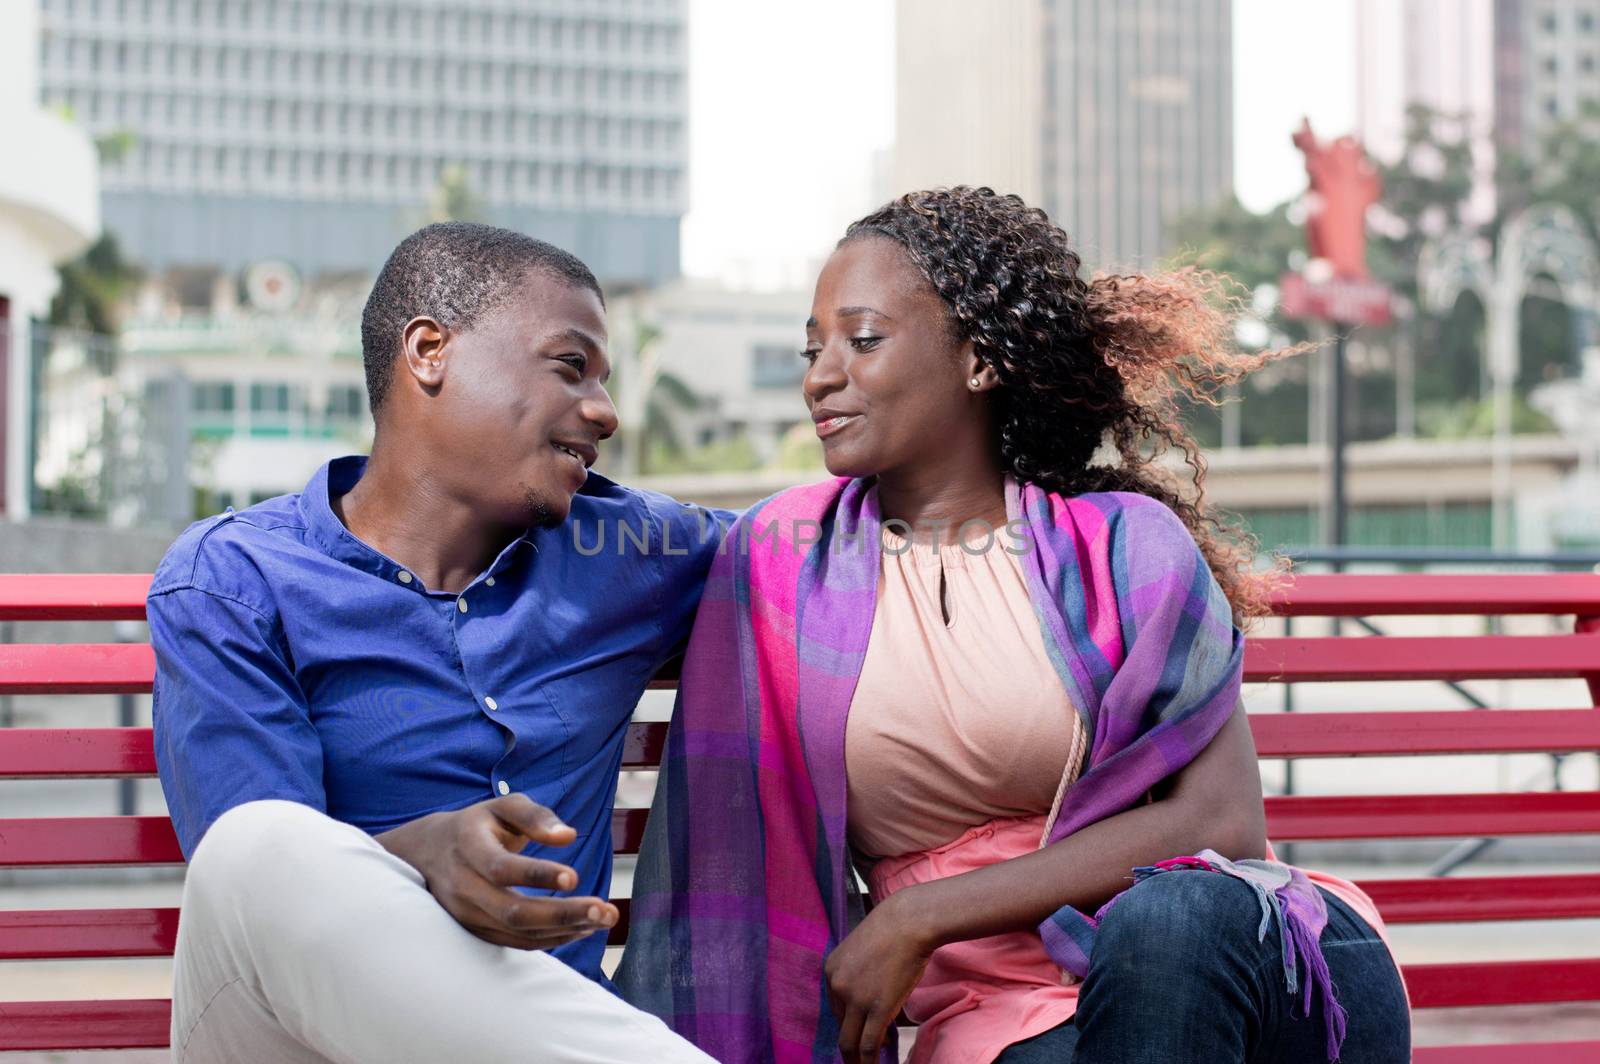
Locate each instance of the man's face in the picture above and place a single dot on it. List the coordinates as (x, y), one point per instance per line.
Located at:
(526, 405)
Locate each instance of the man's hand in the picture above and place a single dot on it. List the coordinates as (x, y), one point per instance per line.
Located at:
(471, 858)
(871, 974)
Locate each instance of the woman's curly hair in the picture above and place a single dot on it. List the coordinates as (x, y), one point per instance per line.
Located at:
(1083, 364)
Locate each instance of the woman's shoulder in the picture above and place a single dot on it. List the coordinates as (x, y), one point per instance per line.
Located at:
(803, 502)
(1140, 522)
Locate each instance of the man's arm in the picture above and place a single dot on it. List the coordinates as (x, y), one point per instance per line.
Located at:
(231, 723)
(691, 538)
(232, 726)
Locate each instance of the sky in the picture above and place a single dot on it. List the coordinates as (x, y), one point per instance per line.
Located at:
(792, 116)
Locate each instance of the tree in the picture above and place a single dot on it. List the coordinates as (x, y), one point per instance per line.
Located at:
(93, 287)
(1426, 190)
(1564, 169)
(1255, 250)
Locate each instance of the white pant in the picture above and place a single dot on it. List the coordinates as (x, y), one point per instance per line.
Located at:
(304, 941)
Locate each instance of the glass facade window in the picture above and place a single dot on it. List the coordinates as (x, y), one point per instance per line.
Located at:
(269, 398)
(213, 86)
(346, 403)
(213, 397)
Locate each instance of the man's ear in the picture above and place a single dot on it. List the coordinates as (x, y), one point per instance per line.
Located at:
(422, 346)
(981, 377)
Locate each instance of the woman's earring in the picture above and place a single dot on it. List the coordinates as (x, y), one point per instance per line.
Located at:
(976, 383)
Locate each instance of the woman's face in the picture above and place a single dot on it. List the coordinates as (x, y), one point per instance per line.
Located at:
(888, 385)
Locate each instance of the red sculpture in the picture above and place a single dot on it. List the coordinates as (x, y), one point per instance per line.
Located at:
(1344, 183)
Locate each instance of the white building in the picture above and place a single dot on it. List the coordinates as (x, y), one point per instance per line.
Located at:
(738, 351)
(49, 211)
(314, 131)
(1437, 53)
(199, 413)
(1506, 68)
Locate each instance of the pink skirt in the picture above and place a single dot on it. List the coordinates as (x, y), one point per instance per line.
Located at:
(980, 996)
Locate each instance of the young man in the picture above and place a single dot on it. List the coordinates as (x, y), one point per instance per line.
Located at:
(388, 706)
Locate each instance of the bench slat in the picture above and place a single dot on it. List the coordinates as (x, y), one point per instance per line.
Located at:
(1471, 983)
(1527, 1053)
(1468, 731)
(1359, 658)
(144, 1023)
(109, 753)
(68, 841)
(1480, 898)
(1414, 816)
(76, 753)
(121, 596)
(1437, 594)
(57, 934)
(111, 668)
(644, 744)
(76, 668)
(105, 753)
(127, 1024)
(73, 596)
(117, 668)
(31, 842)
(63, 934)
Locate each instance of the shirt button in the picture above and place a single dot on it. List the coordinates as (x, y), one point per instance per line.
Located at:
(461, 604)
(503, 787)
(491, 703)
(403, 576)
(489, 582)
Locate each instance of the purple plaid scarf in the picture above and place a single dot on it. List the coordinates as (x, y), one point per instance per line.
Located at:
(744, 883)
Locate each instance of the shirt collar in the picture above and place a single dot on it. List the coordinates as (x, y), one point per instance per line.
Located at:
(336, 478)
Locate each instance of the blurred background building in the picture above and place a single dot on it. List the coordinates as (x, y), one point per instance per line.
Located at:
(49, 211)
(1116, 118)
(316, 131)
(1546, 67)
(258, 160)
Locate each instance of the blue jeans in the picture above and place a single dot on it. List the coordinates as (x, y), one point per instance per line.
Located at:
(1177, 975)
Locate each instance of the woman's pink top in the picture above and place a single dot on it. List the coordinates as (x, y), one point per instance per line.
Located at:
(958, 717)
(958, 747)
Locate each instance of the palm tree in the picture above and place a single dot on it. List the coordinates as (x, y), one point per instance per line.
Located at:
(92, 288)
(651, 402)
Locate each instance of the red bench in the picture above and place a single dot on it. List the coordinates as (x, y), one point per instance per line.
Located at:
(49, 753)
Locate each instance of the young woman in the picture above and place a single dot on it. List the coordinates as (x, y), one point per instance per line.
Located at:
(1001, 733)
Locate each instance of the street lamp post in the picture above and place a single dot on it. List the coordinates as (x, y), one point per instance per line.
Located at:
(1546, 238)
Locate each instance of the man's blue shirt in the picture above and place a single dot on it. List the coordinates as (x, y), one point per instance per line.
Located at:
(293, 661)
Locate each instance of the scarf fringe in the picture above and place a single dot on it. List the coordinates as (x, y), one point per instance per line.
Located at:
(1309, 953)
(1302, 950)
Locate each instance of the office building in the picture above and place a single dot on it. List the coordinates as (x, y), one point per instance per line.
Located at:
(1547, 66)
(1116, 118)
(315, 131)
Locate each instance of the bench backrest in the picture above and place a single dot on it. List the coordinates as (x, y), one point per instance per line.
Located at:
(76, 753)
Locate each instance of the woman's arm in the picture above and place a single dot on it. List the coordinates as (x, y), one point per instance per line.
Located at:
(1214, 802)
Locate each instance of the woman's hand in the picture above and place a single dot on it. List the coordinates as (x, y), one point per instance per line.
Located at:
(873, 971)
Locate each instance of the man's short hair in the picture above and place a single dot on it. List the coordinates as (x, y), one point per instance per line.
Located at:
(455, 273)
